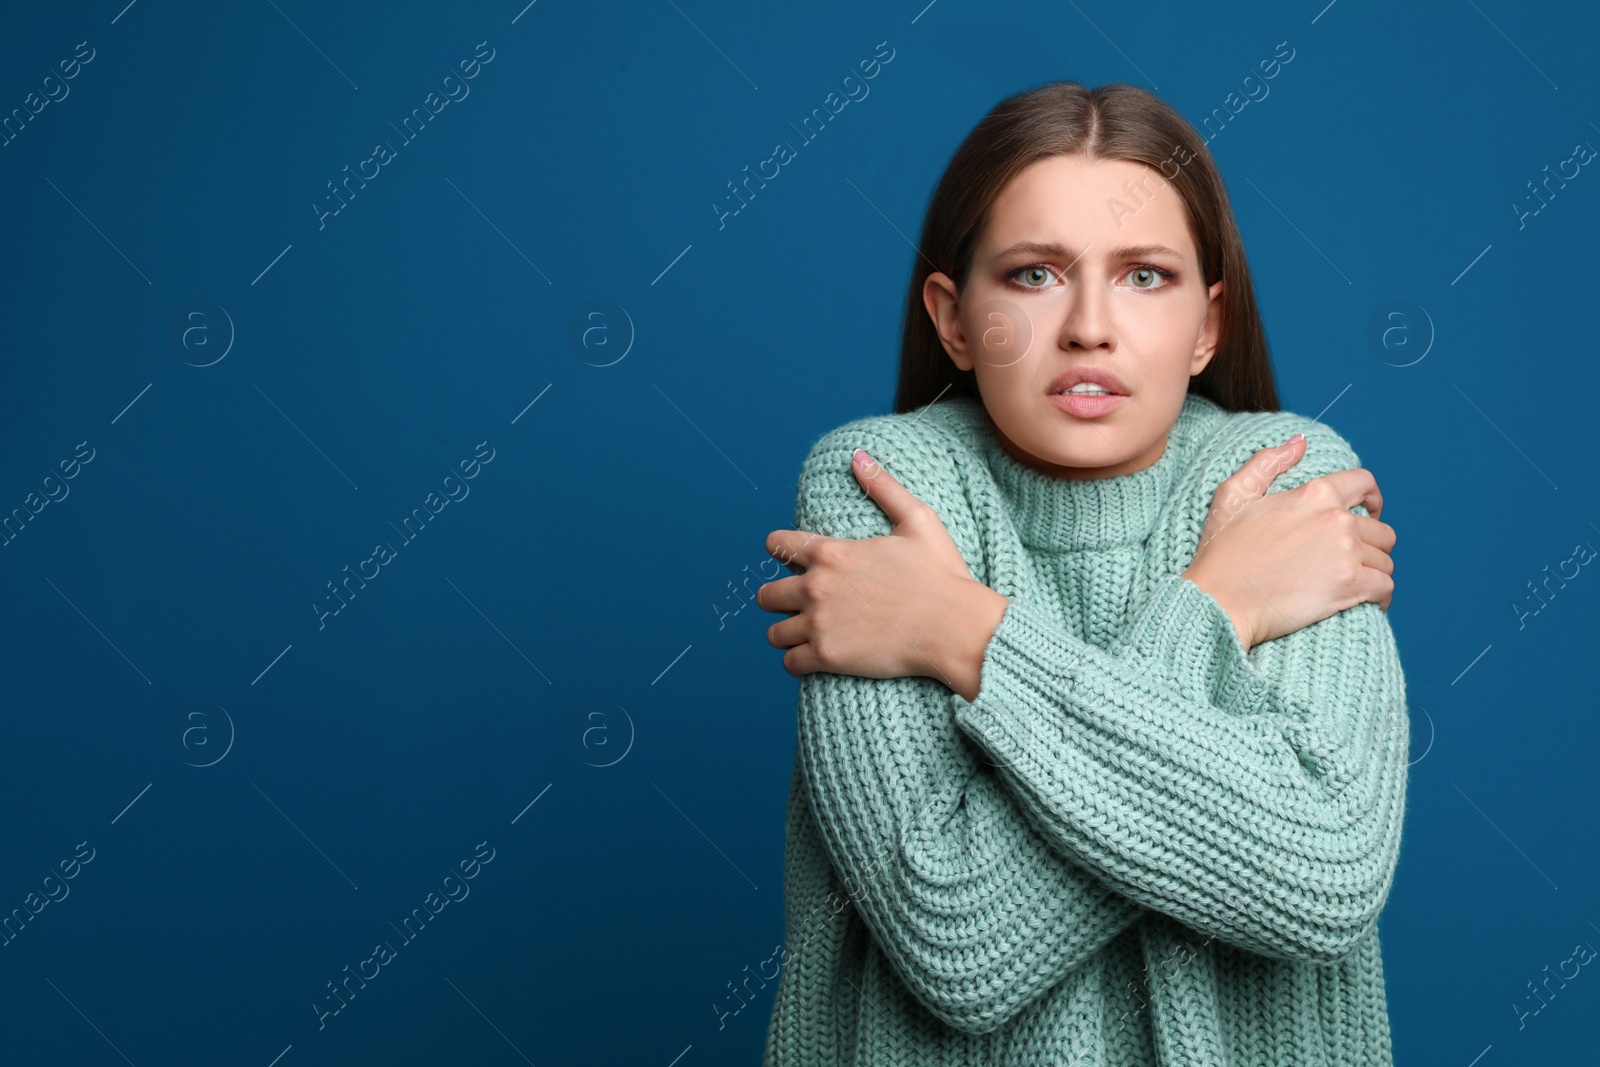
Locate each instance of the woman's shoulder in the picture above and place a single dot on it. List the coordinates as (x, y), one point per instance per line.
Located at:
(1230, 438)
(929, 438)
(928, 450)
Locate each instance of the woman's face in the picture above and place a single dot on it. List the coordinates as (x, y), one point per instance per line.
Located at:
(1059, 282)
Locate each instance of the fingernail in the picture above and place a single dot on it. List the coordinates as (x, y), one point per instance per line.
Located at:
(862, 457)
(1295, 438)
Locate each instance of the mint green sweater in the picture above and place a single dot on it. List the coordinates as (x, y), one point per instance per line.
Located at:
(1139, 844)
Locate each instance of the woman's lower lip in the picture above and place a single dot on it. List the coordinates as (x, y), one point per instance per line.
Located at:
(1086, 407)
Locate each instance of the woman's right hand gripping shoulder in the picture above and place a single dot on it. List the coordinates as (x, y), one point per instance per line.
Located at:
(1277, 562)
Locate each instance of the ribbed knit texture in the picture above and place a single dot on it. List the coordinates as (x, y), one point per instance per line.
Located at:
(1139, 844)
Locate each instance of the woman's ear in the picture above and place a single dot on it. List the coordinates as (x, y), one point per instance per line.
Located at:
(944, 308)
(1205, 345)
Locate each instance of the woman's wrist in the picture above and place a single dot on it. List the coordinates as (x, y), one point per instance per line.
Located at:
(972, 628)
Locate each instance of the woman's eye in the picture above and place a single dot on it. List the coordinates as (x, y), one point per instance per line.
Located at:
(1028, 276)
(1150, 277)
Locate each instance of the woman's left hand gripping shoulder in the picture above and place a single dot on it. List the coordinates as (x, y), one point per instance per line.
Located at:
(904, 605)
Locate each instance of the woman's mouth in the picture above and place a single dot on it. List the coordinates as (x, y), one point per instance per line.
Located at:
(1087, 405)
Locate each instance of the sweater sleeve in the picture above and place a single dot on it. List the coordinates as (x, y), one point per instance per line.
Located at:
(1257, 797)
(973, 909)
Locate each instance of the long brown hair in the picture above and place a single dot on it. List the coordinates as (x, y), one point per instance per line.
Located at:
(1115, 121)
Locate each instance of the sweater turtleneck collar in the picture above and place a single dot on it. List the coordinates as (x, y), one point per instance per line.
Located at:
(1062, 514)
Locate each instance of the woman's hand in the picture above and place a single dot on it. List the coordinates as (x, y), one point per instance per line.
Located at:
(904, 605)
(1277, 562)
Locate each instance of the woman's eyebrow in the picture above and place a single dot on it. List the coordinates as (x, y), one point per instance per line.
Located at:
(1062, 252)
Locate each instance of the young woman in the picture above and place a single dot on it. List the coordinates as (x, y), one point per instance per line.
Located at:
(1102, 733)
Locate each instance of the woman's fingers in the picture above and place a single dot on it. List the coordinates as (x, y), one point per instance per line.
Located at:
(1375, 533)
(1376, 558)
(1383, 586)
(794, 548)
(1377, 541)
(788, 633)
(1377, 575)
(1355, 486)
(785, 594)
(801, 660)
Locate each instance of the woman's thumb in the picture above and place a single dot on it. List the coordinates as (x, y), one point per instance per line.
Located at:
(895, 500)
(1256, 475)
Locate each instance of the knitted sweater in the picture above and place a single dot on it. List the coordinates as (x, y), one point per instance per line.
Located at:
(1139, 844)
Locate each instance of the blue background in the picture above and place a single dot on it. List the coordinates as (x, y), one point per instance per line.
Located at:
(558, 667)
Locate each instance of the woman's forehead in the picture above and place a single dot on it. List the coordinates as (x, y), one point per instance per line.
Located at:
(1100, 206)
